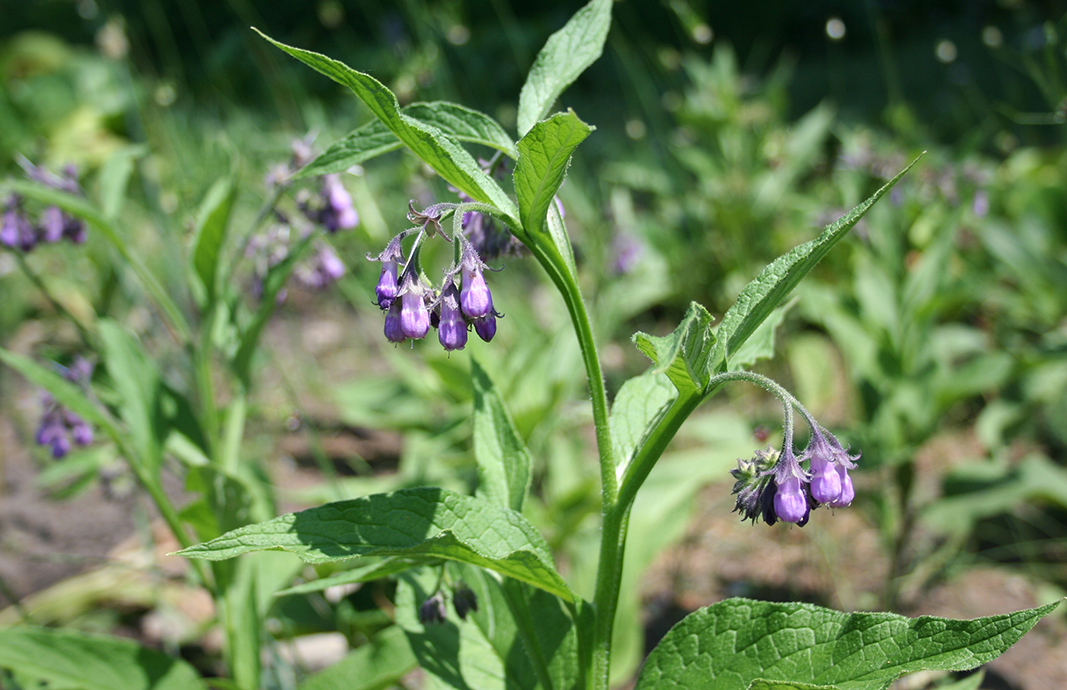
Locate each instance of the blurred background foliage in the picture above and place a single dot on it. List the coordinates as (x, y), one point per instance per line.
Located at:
(935, 338)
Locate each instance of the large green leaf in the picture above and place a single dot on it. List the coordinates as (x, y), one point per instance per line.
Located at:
(730, 644)
(503, 461)
(438, 150)
(75, 660)
(684, 354)
(413, 523)
(773, 285)
(137, 381)
(211, 225)
(566, 54)
(377, 665)
(519, 638)
(375, 139)
(636, 408)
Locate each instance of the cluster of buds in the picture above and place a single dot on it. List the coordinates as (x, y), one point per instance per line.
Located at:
(59, 426)
(433, 611)
(412, 306)
(17, 230)
(774, 485)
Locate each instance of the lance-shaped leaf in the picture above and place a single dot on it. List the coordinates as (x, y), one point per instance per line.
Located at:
(729, 645)
(71, 659)
(773, 285)
(375, 139)
(136, 378)
(684, 354)
(211, 225)
(411, 523)
(503, 461)
(566, 54)
(440, 151)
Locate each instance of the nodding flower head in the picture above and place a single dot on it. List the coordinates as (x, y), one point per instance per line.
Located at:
(830, 463)
(754, 489)
(432, 611)
(474, 297)
(791, 489)
(414, 314)
(451, 327)
(391, 257)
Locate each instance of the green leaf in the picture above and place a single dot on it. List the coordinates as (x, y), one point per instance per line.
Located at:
(68, 659)
(760, 344)
(566, 54)
(730, 644)
(438, 150)
(115, 176)
(773, 285)
(636, 409)
(137, 382)
(375, 571)
(493, 648)
(544, 155)
(684, 354)
(375, 139)
(761, 684)
(503, 461)
(273, 283)
(411, 523)
(377, 665)
(212, 222)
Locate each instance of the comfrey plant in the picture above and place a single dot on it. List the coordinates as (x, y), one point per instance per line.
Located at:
(479, 602)
(518, 621)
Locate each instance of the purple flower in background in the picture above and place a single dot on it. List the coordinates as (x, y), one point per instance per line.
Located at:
(432, 611)
(338, 212)
(464, 600)
(59, 425)
(322, 269)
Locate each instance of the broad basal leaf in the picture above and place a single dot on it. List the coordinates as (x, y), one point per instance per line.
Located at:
(729, 645)
(70, 659)
(503, 461)
(566, 54)
(684, 354)
(375, 139)
(440, 151)
(412, 523)
(773, 285)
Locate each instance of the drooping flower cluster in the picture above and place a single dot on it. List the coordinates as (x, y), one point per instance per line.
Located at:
(774, 486)
(59, 426)
(433, 611)
(17, 230)
(412, 305)
(331, 209)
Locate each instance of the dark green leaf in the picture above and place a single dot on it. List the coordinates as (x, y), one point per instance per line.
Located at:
(773, 285)
(211, 224)
(785, 685)
(760, 344)
(566, 54)
(438, 150)
(503, 461)
(69, 659)
(377, 665)
(411, 523)
(375, 139)
(684, 354)
(730, 644)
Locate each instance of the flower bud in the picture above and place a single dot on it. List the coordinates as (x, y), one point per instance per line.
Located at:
(52, 223)
(847, 491)
(475, 298)
(433, 610)
(393, 332)
(338, 213)
(790, 502)
(414, 316)
(464, 601)
(485, 327)
(387, 286)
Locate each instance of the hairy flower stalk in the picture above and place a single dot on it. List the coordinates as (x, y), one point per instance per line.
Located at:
(775, 486)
